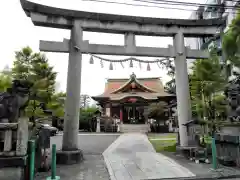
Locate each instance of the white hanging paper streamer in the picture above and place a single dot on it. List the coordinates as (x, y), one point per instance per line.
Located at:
(122, 64)
(101, 62)
(140, 66)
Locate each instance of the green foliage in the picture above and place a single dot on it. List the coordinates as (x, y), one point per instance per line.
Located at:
(57, 104)
(164, 145)
(170, 86)
(5, 82)
(207, 83)
(35, 68)
(156, 110)
(33, 109)
(86, 114)
(231, 41)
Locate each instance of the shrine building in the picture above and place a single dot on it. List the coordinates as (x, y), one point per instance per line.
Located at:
(126, 99)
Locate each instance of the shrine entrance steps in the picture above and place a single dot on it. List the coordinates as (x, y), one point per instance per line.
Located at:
(140, 128)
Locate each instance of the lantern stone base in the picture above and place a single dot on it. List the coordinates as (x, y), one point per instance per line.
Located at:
(69, 157)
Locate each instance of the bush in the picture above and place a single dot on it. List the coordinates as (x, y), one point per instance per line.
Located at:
(87, 119)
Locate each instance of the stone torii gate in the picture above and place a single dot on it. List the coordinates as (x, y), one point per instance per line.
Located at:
(79, 21)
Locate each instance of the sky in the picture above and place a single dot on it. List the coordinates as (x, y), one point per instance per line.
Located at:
(18, 31)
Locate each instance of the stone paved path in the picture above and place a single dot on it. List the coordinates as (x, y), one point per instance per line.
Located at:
(132, 157)
(92, 168)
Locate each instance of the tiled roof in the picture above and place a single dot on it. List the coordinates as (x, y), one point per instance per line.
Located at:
(154, 84)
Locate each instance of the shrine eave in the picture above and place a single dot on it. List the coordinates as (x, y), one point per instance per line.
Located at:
(149, 97)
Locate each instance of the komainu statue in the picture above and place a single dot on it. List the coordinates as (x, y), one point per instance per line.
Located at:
(232, 93)
(14, 101)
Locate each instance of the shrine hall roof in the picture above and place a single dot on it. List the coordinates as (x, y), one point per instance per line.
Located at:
(153, 88)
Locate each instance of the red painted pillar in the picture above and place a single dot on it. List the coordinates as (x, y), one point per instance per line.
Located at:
(121, 114)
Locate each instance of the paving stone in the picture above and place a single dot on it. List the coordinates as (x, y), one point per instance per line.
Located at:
(140, 160)
(92, 168)
(122, 174)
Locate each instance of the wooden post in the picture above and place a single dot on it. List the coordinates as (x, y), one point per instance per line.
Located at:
(121, 114)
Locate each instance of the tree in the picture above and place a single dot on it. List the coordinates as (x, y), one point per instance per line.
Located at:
(156, 110)
(231, 43)
(207, 82)
(35, 68)
(170, 86)
(85, 101)
(87, 118)
(56, 105)
(5, 82)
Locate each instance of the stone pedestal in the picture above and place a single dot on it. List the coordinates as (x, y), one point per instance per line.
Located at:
(69, 157)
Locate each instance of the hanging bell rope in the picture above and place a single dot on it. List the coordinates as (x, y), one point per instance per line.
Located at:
(129, 59)
(160, 62)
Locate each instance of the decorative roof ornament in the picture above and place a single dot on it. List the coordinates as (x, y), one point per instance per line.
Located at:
(133, 76)
(91, 61)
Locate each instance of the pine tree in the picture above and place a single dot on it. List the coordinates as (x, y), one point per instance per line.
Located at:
(34, 67)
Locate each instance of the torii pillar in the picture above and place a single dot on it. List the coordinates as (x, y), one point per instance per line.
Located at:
(70, 152)
(182, 87)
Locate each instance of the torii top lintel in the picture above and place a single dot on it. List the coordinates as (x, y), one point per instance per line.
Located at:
(47, 16)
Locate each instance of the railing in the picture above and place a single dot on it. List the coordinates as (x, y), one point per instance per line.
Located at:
(14, 138)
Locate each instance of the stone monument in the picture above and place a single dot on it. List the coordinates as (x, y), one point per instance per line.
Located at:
(14, 130)
(227, 140)
(14, 101)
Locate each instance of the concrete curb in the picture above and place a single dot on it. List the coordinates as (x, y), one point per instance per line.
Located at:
(201, 178)
(107, 162)
(94, 134)
(109, 168)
